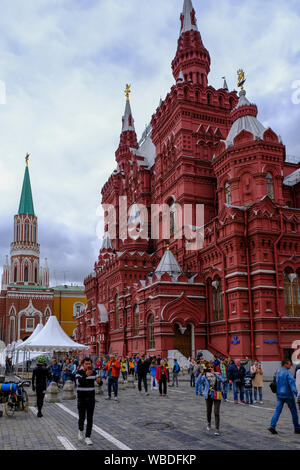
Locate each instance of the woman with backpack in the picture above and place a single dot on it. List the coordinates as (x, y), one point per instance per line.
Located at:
(212, 382)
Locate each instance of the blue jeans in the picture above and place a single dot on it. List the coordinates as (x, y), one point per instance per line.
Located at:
(192, 381)
(260, 393)
(249, 396)
(224, 390)
(291, 403)
(238, 388)
(198, 386)
(113, 383)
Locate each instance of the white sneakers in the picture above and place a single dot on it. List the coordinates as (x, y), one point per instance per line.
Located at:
(208, 427)
(87, 440)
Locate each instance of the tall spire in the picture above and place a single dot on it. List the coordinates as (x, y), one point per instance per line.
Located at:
(188, 17)
(192, 59)
(128, 137)
(127, 120)
(26, 201)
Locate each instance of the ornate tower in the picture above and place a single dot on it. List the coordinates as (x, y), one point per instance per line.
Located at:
(25, 249)
(192, 60)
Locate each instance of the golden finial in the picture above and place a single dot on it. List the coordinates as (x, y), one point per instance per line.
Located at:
(241, 79)
(27, 158)
(127, 91)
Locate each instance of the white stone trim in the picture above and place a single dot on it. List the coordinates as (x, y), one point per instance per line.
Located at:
(262, 271)
(228, 276)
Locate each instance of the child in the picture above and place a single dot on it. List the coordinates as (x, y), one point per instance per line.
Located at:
(124, 370)
(152, 370)
(248, 379)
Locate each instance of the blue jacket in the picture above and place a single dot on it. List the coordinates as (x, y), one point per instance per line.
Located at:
(204, 382)
(236, 374)
(286, 386)
(152, 370)
(56, 370)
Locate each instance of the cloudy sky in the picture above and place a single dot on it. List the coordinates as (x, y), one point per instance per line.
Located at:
(65, 64)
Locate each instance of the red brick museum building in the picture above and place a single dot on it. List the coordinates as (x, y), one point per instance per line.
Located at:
(239, 294)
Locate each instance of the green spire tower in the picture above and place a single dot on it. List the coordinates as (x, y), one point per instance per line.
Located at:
(26, 201)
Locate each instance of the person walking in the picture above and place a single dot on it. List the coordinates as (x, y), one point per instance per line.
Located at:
(113, 372)
(257, 381)
(191, 372)
(162, 378)
(142, 371)
(212, 382)
(285, 392)
(197, 374)
(124, 370)
(176, 370)
(40, 375)
(152, 370)
(236, 374)
(85, 379)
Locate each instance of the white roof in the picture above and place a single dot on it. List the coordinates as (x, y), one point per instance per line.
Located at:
(146, 149)
(168, 264)
(37, 330)
(107, 243)
(53, 338)
(247, 123)
(292, 179)
(187, 19)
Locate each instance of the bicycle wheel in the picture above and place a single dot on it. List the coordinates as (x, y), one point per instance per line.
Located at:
(25, 401)
(9, 406)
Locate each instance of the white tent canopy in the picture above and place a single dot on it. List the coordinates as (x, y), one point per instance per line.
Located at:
(53, 338)
(37, 330)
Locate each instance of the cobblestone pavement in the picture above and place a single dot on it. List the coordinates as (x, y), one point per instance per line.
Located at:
(139, 422)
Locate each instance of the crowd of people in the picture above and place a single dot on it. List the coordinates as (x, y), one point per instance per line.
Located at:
(213, 380)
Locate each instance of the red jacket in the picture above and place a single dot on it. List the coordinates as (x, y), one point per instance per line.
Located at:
(115, 371)
(158, 373)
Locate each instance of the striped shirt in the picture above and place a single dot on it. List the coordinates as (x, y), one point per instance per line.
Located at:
(86, 384)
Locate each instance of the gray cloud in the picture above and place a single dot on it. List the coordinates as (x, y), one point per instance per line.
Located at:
(65, 64)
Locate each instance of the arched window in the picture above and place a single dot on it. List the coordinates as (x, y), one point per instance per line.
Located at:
(26, 274)
(151, 340)
(270, 185)
(227, 193)
(117, 312)
(217, 301)
(136, 320)
(26, 232)
(15, 274)
(208, 98)
(172, 219)
(291, 294)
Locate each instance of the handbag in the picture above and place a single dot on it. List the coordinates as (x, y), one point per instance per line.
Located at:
(273, 384)
(214, 395)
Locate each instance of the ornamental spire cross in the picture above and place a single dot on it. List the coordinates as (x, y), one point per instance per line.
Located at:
(127, 91)
(27, 158)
